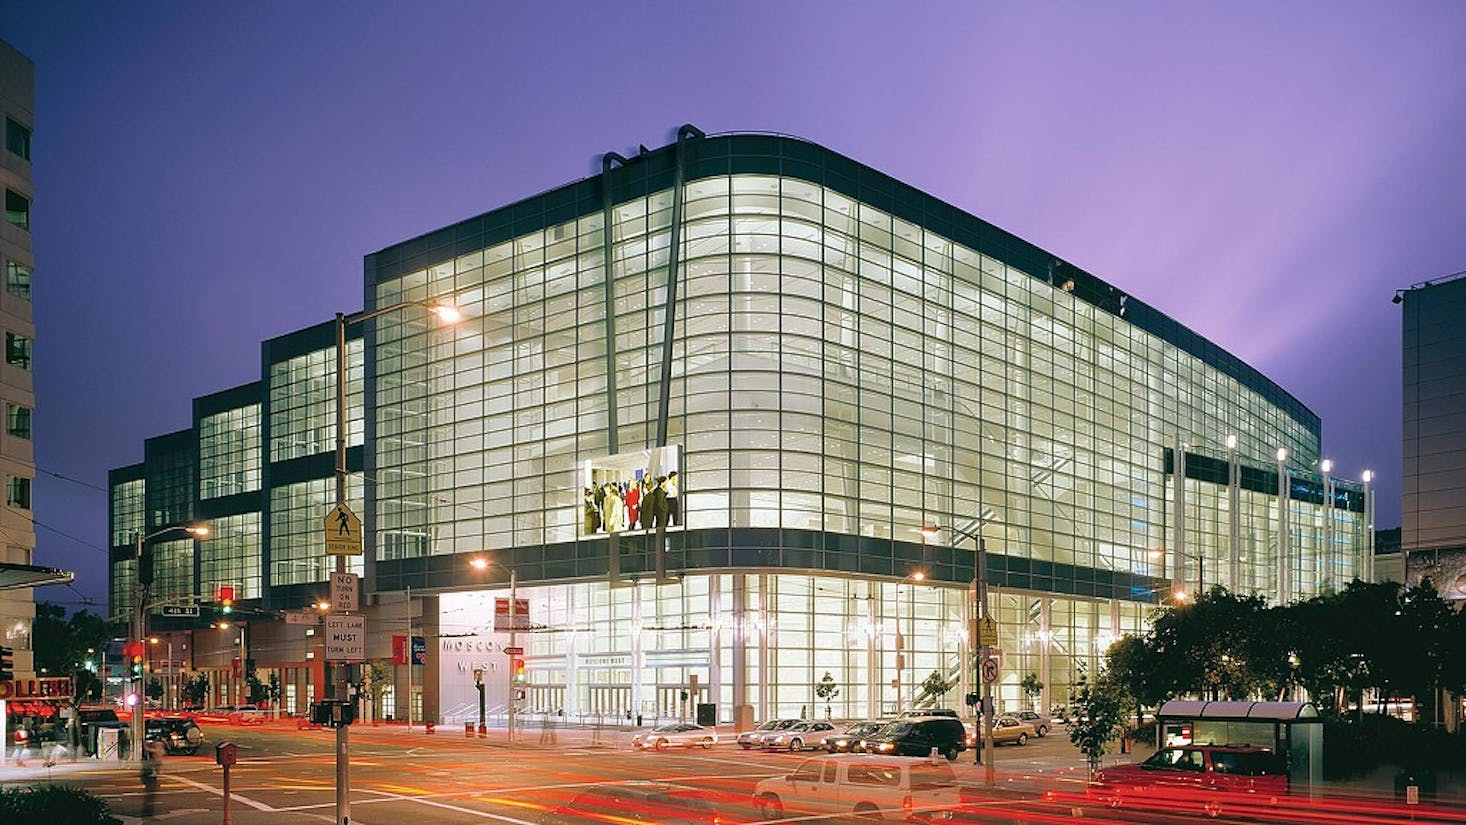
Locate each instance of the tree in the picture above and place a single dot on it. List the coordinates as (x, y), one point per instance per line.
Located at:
(154, 688)
(1032, 688)
(826, 690)
(936, 685)
(256, 692)
(196, 689)
(1098, 704)
(378, 676)
(61, 643)
(1132, 664)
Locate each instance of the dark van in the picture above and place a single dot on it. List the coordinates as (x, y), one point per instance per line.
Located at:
(917, 737)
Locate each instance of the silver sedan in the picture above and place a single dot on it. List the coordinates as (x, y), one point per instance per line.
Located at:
(798, 736)
(677, 734)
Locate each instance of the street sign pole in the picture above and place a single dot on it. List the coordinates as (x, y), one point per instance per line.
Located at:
(989, 771)
(343, 732)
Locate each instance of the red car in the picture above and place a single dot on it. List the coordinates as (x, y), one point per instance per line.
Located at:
(1207, 775)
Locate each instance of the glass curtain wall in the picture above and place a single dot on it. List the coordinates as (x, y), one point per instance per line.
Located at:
(296, 517)
(231, 556)
(608, 650)
(836, 368)
(229, 452)
(303, 403)
(129, 501)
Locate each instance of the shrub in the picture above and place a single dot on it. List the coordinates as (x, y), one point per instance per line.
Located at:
(1356, 747)
(47, 804)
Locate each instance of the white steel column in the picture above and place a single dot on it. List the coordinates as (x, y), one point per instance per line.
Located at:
(1326, 558)
(1368, 565)
(1045, 657)
(740, 642)
(715, 641)
(766, 684)
(872, 655)
(1285, 590)
(1178, 502)
(1234, 517)
(636, 657)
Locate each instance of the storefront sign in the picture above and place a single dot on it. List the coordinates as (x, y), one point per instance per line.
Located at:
(58, 687)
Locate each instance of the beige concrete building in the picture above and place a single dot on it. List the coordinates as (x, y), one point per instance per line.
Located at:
(17, 388)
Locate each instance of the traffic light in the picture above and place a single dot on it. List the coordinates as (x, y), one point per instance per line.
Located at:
(226, 599)
(137, 667)
(7, 664)
(516, 666)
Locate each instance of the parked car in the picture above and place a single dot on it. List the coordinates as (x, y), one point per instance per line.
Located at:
(654, 802)
(1041, 722)
(872, 787)
(921, 714)
(917, 737)
(750, 739)
(1202, 774)
(1008, 729)
(178, 735)
(845, 742)
(797, 736)
(679, 734)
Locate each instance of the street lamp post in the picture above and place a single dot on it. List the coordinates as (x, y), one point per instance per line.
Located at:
(984, 753)
(140, 623)
(448, 314)
(510, 700)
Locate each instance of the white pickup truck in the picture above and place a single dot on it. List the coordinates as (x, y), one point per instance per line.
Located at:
(868, 786)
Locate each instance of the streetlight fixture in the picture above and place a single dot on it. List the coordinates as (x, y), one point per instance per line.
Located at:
(448, 314)
(481, 563)
(140, 621)
(979, 592)
(1158, 554)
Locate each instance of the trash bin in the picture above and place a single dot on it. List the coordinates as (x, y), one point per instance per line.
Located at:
(1423, 781)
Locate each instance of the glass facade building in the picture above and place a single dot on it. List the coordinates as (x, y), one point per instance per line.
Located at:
(859, 380)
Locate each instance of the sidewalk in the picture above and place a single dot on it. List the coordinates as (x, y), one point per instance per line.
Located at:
(35, 769)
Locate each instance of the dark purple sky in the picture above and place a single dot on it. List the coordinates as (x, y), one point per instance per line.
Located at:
(209, 175)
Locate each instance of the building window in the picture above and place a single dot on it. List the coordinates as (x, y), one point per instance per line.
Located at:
(18, 420)
(18, 280)
(18, 492)
(17, 209)
(17, 139)
(18, 350)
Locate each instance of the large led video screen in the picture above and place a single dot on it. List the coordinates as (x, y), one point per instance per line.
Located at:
(631, 492)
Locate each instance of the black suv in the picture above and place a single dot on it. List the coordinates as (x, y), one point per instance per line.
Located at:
(917, 737)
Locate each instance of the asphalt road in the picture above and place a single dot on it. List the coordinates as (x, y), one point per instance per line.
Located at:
(287, 776)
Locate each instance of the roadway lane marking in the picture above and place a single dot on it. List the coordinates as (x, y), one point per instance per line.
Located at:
(257, 805)
(445, 806)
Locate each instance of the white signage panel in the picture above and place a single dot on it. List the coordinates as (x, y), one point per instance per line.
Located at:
(345, 588)
(345, 638)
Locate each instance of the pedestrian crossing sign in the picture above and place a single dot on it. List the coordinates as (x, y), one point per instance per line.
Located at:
(343, 532)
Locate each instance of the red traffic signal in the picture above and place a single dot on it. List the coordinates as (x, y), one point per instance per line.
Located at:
(516, 667)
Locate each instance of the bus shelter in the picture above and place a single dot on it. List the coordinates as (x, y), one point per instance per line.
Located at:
(1292, 730)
